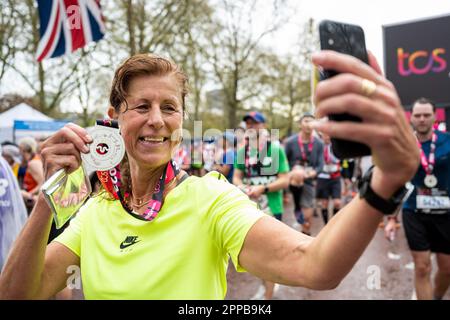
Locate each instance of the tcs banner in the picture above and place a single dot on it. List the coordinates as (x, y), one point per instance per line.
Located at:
(417, 59)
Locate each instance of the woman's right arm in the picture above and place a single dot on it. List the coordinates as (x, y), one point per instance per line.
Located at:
(33, 269)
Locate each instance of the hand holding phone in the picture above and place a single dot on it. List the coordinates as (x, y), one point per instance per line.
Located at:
(348, 39)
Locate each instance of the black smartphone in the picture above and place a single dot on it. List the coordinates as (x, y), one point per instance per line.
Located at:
(348, 39)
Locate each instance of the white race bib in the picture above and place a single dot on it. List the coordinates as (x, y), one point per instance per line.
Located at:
(330, 168)
(324, 175)
(432, 202)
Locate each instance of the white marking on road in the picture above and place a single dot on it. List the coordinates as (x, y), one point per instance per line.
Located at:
(409, 266)
(393, 256)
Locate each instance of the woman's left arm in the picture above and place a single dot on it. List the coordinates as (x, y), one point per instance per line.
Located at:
(274, 251)
(278, 253)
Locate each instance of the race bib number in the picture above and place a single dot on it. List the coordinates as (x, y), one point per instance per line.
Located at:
(330, 168)
(432, 202)
(324, 175)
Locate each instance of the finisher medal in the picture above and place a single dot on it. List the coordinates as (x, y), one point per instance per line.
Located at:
(106, 151)
(430, 181)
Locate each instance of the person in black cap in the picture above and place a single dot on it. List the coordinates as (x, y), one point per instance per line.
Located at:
(305, 156)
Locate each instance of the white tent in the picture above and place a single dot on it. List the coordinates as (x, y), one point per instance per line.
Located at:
(20, 112)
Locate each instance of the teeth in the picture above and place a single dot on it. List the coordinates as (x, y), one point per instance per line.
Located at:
(153, 139)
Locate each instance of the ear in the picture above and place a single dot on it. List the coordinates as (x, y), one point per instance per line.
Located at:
(112, 113)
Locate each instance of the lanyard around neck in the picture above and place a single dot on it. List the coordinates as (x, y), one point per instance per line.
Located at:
(111, 181)
(302, 149)
(428, 164)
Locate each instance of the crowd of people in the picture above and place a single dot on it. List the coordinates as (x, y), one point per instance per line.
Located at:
(316, 179)
(225, 198)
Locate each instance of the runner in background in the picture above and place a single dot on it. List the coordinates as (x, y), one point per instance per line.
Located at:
(13, 213)
(305, 157)
(226, 156)
(11, 154)
(34, 174)
(196, 158)
(261, 171)
(426, 214)
(329, 181)
(181, 157)
(209, 158)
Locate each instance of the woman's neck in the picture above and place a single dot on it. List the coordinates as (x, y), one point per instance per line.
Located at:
(144, 180)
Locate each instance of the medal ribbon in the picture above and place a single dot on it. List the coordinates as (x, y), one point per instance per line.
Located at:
(302, 149)
(247, 157)
(248, 166)
(428, 164)
(327, 158)
(326, 154)
(111, 181)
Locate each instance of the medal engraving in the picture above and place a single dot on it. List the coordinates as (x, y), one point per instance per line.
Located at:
(430, 181)
(106, 151)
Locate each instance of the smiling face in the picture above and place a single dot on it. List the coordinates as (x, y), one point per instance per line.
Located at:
(152, 123)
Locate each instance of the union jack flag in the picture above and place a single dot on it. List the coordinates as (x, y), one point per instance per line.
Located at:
(67, 25)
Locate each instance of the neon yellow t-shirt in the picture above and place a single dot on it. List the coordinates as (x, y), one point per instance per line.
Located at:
(182, 254)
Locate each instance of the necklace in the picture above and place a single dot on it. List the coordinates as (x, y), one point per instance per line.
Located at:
(140, 202)
(111, 180)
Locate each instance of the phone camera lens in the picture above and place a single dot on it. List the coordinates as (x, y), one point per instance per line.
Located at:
(330, 42)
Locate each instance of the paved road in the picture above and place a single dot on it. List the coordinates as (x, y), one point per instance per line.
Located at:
(391, 261)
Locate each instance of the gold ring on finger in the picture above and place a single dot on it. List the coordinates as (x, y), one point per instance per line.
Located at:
(368, 87)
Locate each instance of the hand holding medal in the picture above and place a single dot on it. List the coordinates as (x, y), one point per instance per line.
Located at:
(67, 190)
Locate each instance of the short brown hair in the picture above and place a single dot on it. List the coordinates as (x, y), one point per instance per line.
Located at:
(423, 100)
(143, 65)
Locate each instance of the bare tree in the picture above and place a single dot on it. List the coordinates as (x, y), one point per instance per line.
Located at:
(166, 27)
(232, 49)
(50, 80)
(10, 26)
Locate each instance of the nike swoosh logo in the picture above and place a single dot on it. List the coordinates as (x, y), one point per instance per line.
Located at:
(126, 245)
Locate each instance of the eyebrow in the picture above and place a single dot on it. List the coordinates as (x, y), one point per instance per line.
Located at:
(173, 100)
(422, 114)
(135, 100)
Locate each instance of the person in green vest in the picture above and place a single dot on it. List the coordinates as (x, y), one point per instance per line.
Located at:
(261, 171)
